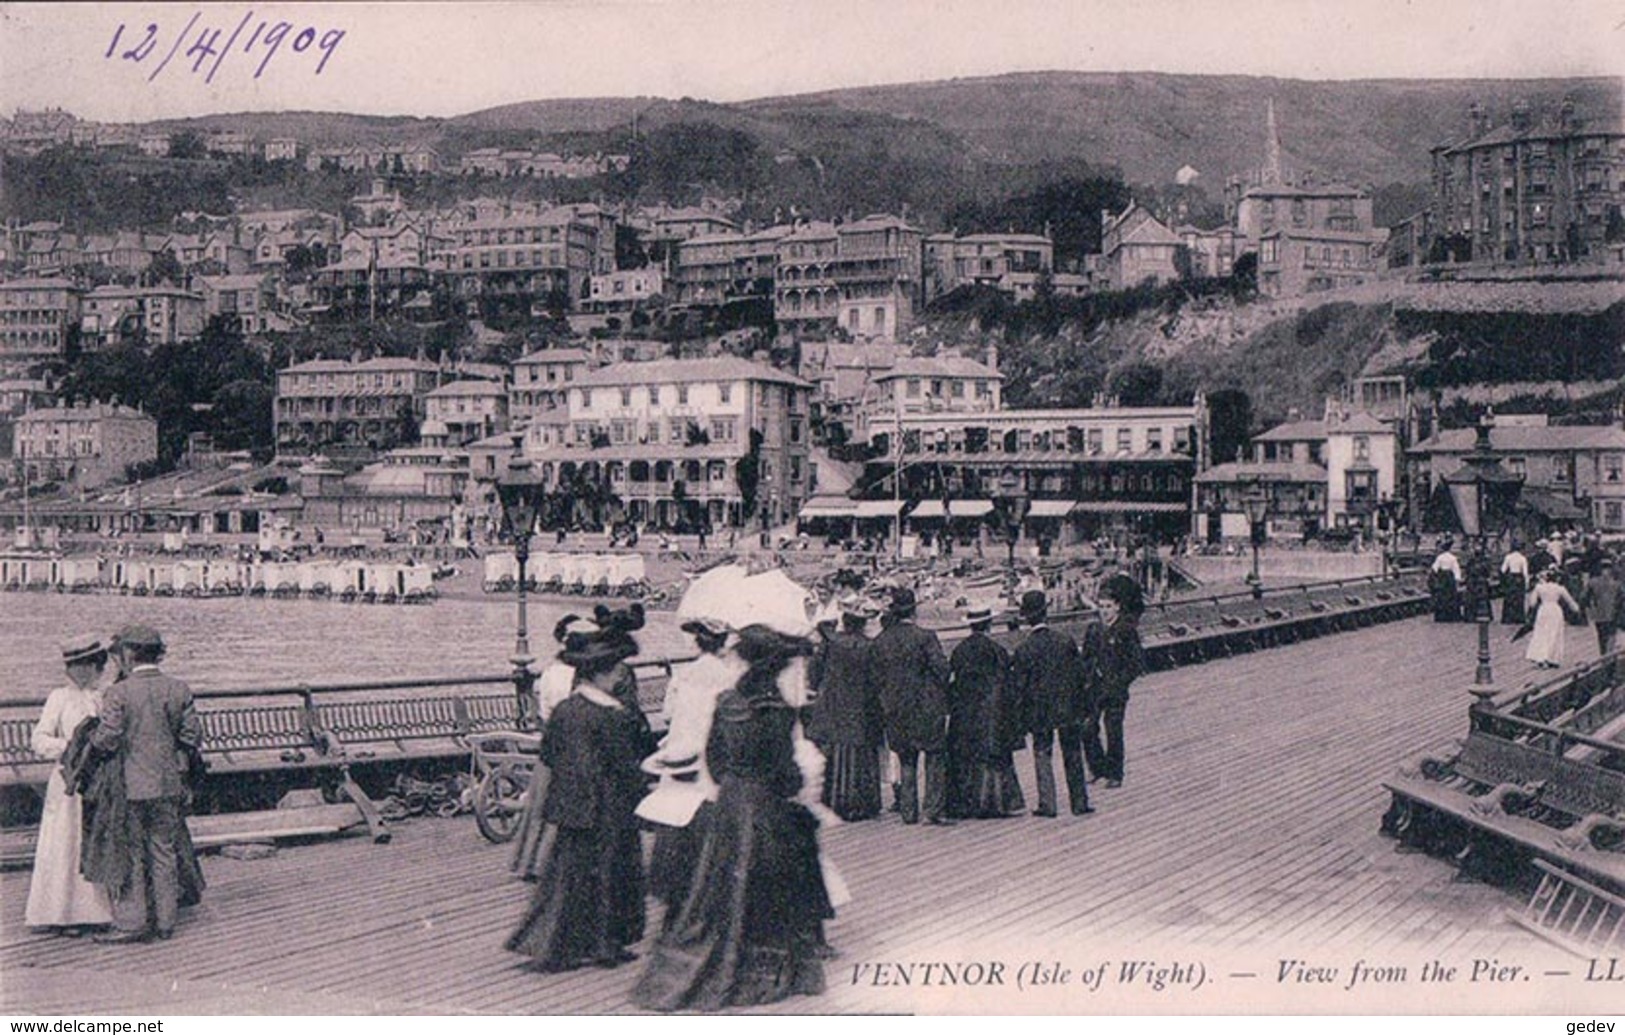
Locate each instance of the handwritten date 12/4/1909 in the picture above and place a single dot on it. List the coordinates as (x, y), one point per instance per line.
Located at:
(212, 46)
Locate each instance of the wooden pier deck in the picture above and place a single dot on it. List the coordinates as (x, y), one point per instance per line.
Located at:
(1246, 835)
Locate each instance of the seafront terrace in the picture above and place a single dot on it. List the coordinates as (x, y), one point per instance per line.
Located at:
(1246, 835)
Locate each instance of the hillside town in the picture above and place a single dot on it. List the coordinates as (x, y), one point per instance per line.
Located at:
(828, 392)
(596, 536)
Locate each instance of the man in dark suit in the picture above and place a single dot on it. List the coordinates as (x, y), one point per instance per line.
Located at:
(1047, 673)
(149, 719)
(1601, 600)
(912, 672)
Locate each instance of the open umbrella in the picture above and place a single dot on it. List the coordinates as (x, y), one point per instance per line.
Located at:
(775, 600)
(714, 595)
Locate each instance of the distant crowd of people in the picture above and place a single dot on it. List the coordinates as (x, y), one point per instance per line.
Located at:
(1563, 580)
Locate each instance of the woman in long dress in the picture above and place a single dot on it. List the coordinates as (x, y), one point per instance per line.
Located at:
(845, 718)
(749, 932)
(1549, 600)
(679, 807)
(588, 904)
(58, 897)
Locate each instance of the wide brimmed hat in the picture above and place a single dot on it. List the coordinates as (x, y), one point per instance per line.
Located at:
(759, 643)
(589, 654)
(574, 624)
(1034, 604)
(88, 647)
(976, 614)
(706, 627)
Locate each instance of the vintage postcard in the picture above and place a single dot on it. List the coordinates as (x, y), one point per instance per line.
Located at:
(638, 506)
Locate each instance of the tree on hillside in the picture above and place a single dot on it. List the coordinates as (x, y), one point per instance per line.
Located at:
(1069, 207)
(166, 268)
(242, 416)
(1136, 384)
(187, 144)
(1230, 422)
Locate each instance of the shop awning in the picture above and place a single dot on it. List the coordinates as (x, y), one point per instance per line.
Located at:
(877, 508)
(929, 509)
(1551, 506)
(970, 508)
(1051, 508)
(1130, 507)
(829, 507)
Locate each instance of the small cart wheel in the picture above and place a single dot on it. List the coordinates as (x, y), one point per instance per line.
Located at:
(498, 801)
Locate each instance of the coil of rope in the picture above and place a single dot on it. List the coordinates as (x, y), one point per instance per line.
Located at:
(444, 797)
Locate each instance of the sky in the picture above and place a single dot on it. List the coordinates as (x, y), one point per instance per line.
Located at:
(440, 59)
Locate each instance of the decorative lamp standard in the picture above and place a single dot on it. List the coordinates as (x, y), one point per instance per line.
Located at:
(1013, 506)
(522, 493)
(1483, 494)
(1257, 503)
(1388, 530)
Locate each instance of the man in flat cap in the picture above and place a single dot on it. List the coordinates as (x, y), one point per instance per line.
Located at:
(149, 719)
(911, 671)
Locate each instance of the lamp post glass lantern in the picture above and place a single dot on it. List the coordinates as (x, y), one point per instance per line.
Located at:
(521, 492)
(1483, 494)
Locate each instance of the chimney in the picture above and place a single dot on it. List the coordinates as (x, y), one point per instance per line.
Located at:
(1477, 124)
(1522, 119)
(1565, 118)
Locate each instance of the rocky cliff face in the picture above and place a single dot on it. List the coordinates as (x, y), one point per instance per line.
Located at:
(1481, 341)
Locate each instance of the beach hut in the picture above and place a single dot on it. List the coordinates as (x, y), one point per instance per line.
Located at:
(501, 569)
(223, 578)
(187, 578)
(417, 584)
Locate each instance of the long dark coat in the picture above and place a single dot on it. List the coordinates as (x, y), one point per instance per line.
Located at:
(588, 903)
(982, 723)
(1122, 660)
(912, 673)
(1047, 674)
(846, 703)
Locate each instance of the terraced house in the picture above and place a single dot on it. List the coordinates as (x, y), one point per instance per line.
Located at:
(1531, 189)
(662, 442)
(373, 404)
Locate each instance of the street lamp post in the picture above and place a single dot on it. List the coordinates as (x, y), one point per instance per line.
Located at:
(521, 492)
(1013, 497)
(1387, 511)
(1482, 493)
(1257, 502)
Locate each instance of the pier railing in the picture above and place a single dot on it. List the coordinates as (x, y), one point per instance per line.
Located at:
(328, 725)
(312, 726)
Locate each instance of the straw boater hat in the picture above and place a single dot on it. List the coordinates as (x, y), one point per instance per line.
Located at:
(978, 614)
(86, 648)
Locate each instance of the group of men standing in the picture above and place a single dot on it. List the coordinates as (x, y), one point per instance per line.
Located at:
(965, 715)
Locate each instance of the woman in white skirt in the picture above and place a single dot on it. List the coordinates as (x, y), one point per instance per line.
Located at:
(58, 897)
(1550, 603)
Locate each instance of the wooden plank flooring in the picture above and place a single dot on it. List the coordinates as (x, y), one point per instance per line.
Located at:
(1246, 833)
